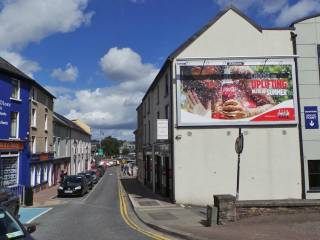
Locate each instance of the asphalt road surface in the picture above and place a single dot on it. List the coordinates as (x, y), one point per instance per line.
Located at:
(94, 216)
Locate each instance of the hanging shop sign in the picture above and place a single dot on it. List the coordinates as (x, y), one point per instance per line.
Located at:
(311, 117)
(11, 145)
(239, 92)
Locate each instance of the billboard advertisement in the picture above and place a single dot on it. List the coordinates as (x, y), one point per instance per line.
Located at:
(237, 92)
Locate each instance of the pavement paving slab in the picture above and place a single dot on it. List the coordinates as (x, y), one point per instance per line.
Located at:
(189, 222)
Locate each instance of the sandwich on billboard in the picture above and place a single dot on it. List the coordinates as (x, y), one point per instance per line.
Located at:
(236, 92)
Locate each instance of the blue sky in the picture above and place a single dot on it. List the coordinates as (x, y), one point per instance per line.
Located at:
(99, 56)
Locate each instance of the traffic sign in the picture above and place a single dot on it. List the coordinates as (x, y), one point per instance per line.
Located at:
(100, 152)
(311, 117)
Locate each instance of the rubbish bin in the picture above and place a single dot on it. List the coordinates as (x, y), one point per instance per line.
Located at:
(28, 198)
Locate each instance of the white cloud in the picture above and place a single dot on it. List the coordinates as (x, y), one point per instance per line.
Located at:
(70, 74)
(27, 66)
(125, 66)
(301, 9)
(111, 108)
(26, 21)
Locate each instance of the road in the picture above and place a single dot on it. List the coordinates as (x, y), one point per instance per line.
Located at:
(94, 216)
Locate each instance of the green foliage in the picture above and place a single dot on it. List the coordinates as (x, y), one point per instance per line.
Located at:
(125, 151)
(111, 146)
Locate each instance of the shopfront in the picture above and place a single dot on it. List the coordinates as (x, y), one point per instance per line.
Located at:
(41, 170)
(14, 126)
(9, 162)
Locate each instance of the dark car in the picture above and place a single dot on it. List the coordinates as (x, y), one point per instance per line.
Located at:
(9, 201)
(73, 185)
(89, 179)
(101, 169)
(11, 228)
(94, 176)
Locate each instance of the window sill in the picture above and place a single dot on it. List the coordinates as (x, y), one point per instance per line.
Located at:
(34, 101)
(15, 99)
(14, 138)
(34, 127)
(313, 191)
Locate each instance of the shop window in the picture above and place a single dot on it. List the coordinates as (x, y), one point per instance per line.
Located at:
(314, 175)
(15, 89)
(38, 175)
(33, 144)
(14, 125)
(46, 122)
(32, 176)
(9, 170)
(33, 117)
(45, 173)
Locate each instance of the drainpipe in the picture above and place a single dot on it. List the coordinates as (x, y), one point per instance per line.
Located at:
(294, 45)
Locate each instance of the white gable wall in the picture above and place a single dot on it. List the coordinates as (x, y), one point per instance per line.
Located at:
(206, 162)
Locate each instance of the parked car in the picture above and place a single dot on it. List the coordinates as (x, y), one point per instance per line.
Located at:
(94, 175)
(101, 169)
(9, 201)
(73, 185)
(11, 227)
(89, 179)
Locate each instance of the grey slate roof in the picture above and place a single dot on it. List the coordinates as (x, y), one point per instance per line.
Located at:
(8, 68)
(68, 122)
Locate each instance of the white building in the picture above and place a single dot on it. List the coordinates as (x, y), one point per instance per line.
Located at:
(198, 160)
(307, 46)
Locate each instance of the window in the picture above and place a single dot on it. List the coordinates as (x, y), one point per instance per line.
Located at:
(15, 89)
(314, 174)
(166, 92)
(38, 174)
(14, 125)
(67, 147)
(158, 95)
(148, 104)
(45, 122)
(46, 144)
(58, 152)
(145, 134)
(8, 169)
(32, 177)
(149, 132)
(34, 94)
(167, 111)
(33, 144)
(33, 117)
(144, 109)
(158, 115)
(45, 173)
(318, 49)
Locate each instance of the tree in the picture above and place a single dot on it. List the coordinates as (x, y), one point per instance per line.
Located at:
(125, 151)
(111, 146)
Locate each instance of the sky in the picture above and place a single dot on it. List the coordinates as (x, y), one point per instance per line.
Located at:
(98, 57)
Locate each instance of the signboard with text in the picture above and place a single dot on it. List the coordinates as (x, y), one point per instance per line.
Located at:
(311, 117)
(162, 129)
(236, 92)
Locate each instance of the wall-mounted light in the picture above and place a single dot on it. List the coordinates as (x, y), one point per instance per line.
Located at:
(178, 137)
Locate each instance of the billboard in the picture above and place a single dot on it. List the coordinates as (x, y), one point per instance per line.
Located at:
(236, 92)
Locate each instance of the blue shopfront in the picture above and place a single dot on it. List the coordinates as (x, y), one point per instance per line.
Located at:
(14, 129)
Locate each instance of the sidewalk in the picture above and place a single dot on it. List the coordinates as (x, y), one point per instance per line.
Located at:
(46, 197)
(188, 221)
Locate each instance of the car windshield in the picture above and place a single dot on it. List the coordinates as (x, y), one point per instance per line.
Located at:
(72, 179)
(9, 228)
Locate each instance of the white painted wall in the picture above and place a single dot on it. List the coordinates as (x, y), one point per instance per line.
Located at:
(308, 37)
(205, 162)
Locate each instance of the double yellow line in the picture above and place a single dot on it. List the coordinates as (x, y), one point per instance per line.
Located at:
(126, 218)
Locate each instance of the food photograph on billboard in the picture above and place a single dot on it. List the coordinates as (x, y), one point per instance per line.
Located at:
(241, 92)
